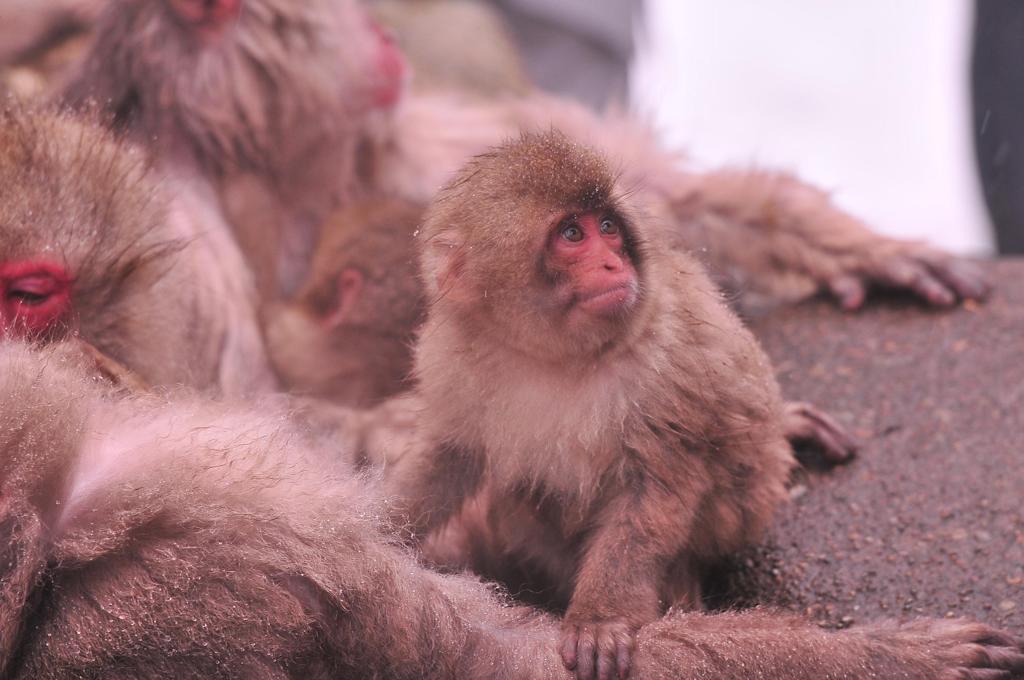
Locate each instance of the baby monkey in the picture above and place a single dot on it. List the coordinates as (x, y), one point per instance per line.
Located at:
(591, 383)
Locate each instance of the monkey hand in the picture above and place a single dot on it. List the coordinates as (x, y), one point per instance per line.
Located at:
(964, 648)
(769, 235)
(600, 649)
(936, 277)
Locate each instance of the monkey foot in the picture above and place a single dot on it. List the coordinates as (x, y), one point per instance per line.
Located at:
(938, 278)
(804, 423)
(969, 651)
(598, 649)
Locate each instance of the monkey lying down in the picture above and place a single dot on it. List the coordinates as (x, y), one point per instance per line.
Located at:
(158, 537)
(288, 111)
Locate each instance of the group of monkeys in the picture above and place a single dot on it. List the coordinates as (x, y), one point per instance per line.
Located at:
(296, 360)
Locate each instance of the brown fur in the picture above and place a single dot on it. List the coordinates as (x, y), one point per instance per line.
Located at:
(150, 538)
(275, 112)
(611, 451)
(156, 287)
(359, 352)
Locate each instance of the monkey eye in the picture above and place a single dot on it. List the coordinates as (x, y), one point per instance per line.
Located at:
(609, 226)
(572, 232)
(32, 290)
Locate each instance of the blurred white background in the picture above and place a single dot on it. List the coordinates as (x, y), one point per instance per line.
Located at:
(868, 99)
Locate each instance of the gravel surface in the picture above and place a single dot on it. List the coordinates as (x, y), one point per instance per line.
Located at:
(929, 518)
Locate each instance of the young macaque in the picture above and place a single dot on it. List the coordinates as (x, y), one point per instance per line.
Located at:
(185, 538)
(348, 334)
(294, 109)
(90, 248)
(627, 427)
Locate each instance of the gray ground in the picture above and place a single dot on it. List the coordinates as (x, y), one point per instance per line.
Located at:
(929, 519)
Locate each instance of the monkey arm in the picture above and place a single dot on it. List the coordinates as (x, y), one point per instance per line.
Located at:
(771, 236)
(637, 536)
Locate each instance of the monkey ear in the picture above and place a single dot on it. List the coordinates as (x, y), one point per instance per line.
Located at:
(444, 263)
(349, 286)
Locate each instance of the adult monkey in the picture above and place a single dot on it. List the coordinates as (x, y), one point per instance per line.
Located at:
(292, 110)
(91, 248)
(127, 554)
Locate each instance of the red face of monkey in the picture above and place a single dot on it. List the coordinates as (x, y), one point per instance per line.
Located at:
(593, 272)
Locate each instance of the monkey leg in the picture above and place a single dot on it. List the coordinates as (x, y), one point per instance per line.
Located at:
(804, 423)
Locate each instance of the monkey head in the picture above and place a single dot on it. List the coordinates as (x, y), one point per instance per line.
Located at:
(70, 236)
(255, 83)
(87, 249)
(534, 243)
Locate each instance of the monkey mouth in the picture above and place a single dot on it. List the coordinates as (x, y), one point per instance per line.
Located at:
(608, 301)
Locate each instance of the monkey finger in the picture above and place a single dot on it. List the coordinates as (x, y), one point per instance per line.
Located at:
(992, 663)
(614, 645)
(849, 291)
(916, 277)
(997, 638)
(586, 650)
(606, 657)
(624, 660)
(984, 674)
(624, 643)
(1000, 657)
(965, 278)
(570, 640)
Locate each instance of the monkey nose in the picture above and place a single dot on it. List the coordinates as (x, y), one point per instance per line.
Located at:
(613, 263)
